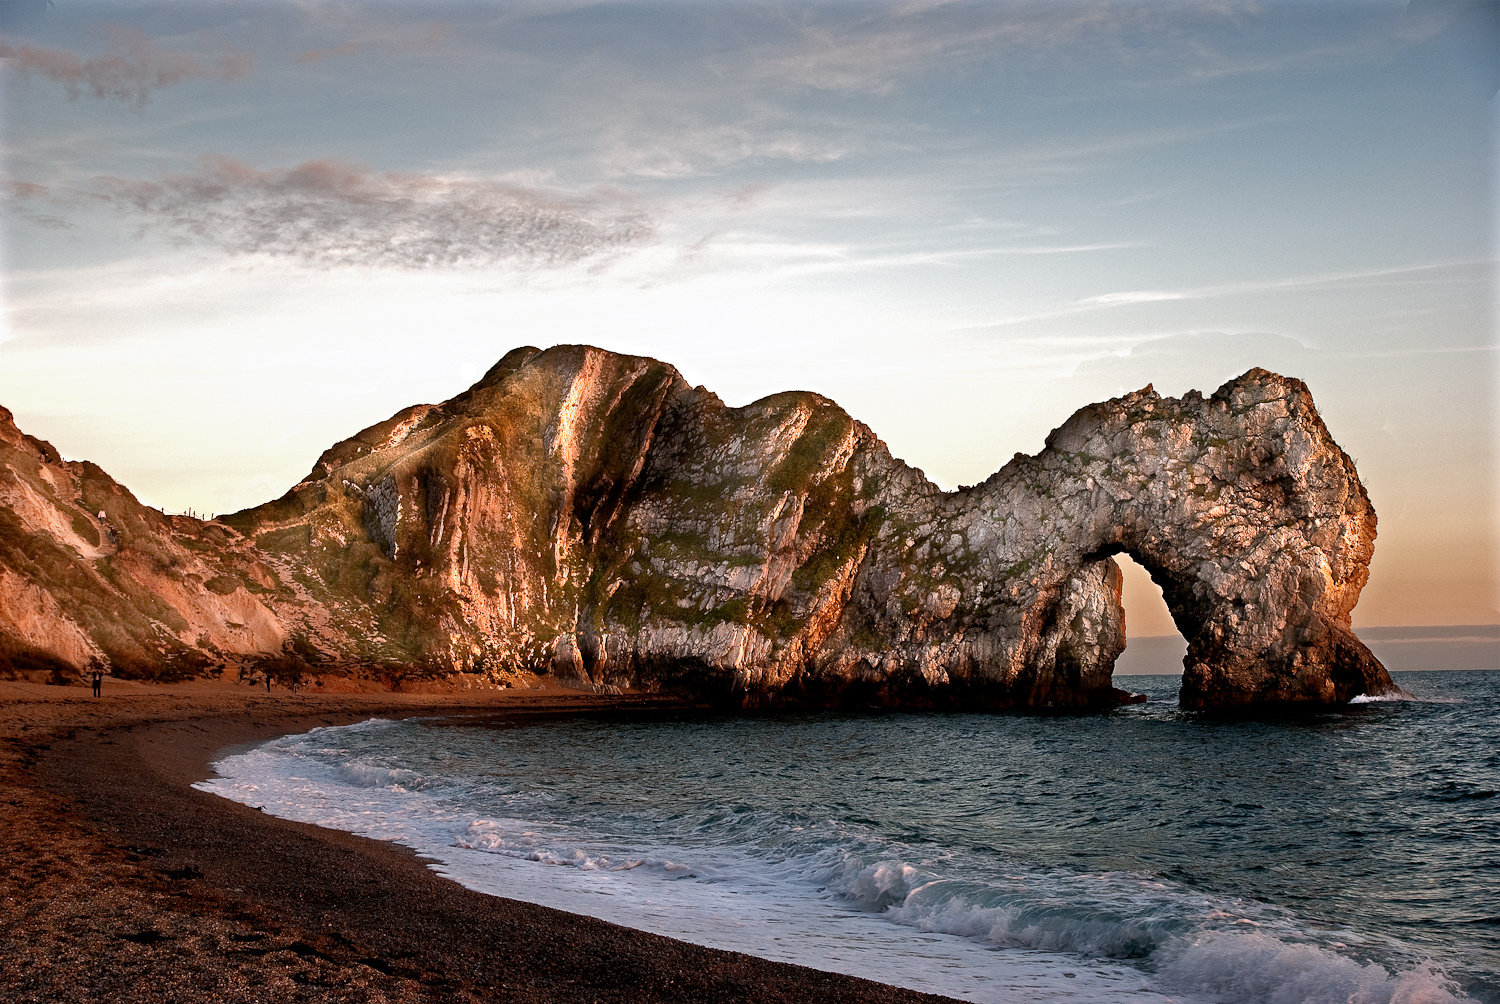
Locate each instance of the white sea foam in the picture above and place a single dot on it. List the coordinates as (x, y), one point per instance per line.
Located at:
(1254, 968)
(1402, 696)
(827, 894)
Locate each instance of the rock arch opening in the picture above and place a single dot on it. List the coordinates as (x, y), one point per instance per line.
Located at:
(1153, 644)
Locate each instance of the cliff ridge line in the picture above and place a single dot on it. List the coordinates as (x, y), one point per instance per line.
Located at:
(593, 516)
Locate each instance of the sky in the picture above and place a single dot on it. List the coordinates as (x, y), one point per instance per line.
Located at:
(235, 233)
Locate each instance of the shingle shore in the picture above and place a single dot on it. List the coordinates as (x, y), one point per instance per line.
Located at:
(120, 882)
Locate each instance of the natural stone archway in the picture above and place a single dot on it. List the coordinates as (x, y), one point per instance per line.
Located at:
(1255, 525)
(1240, 505)
(592, 515)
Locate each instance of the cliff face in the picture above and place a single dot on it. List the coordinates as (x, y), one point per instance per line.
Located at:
(144, 594)
(591, 515)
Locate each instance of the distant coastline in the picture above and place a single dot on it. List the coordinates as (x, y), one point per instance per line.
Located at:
(1414, 648)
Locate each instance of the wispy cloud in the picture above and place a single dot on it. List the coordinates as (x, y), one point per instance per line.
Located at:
(874, 47)
(133, 68)
(318, 55)
(693, 148)
(19, 196)
(1134, 296)
(870, 48)
(327, 212)
(1272, 285)
(1129, 298)
(396, 37)
(773, 260)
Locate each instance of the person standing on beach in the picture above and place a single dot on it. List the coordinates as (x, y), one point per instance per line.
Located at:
(97, 677)
(268, 681)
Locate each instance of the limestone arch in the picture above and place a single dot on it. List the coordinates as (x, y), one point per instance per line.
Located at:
(1244, 512)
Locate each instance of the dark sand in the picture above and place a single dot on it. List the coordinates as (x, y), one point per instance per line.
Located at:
(122, 883)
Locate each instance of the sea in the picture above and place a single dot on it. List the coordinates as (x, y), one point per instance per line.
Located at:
(1144, 854)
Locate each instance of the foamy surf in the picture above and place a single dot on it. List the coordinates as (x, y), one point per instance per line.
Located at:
(1402, 697)
(833, 894)
(1254, 968)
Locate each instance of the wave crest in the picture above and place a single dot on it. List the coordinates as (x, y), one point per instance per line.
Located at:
(1254, 968)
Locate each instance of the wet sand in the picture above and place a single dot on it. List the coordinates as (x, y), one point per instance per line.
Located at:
(122, 883)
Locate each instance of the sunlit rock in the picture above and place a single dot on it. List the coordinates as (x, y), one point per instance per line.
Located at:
(592, 516)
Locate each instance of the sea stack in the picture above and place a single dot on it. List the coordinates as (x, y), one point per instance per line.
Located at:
(592, 516)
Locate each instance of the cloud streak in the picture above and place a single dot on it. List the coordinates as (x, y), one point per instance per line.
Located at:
(685, 149)
(868, 49)
(1131, 298)
(130, 72)
(873, 47)
(330, 213)
(398, 39)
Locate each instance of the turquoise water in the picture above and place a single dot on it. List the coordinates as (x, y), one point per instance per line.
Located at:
(1147, 854)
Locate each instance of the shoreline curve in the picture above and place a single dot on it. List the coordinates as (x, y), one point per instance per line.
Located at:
(123, 882)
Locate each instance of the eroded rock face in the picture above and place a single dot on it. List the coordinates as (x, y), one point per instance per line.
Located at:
(593, 516)
(139, 592)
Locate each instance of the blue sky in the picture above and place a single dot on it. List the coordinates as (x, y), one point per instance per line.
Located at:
(237, 232)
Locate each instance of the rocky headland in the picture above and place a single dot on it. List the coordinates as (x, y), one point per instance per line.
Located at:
(594, 517)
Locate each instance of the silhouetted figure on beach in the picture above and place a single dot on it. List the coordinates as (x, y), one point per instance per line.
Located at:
(97, 676)
(268, 681)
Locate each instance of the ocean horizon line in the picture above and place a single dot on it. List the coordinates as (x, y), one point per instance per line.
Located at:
(1402, 649)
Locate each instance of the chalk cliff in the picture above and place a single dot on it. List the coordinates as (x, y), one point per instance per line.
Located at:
(592, 516)
(141, 593)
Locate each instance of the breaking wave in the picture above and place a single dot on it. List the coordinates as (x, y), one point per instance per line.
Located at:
(1254, 968)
